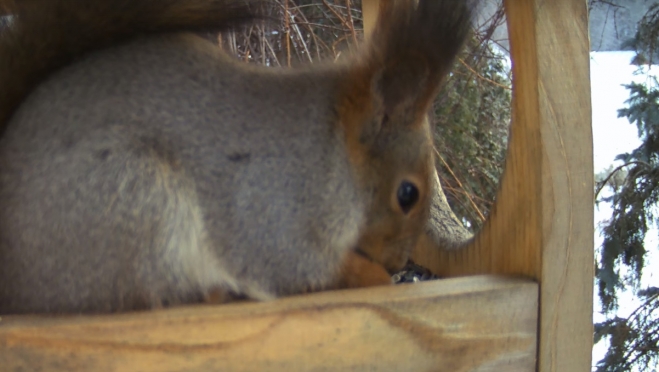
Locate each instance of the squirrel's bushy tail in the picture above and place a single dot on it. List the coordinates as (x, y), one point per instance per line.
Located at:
(44, 35)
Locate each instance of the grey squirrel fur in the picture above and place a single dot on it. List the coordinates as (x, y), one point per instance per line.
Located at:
(142, 167)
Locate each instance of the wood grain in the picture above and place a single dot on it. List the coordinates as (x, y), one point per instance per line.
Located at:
(370, 15)
(542, 224)
(465, 324)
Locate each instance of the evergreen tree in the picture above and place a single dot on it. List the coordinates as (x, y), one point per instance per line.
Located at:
(621, 260)
(472, 118)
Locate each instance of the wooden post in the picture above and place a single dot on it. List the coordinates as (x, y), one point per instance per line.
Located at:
(369, 15)
(542, 224)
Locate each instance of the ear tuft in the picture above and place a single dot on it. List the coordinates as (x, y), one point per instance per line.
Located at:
(412, 49)
(415, 47)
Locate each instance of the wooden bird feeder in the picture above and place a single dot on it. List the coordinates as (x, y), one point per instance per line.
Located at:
(519, 299)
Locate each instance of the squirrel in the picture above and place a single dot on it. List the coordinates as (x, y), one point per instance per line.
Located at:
(142, 167)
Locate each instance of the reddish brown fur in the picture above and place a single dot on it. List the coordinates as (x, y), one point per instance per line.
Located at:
(382, 103)
(359, 271)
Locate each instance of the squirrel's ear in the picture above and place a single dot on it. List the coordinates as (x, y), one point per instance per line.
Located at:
(412, 51)
(405, 90)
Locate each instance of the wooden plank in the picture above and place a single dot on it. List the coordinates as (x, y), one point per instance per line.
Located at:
(369, 15)
(542, 223)
(568, 222)
(510, 242)
(466, 324)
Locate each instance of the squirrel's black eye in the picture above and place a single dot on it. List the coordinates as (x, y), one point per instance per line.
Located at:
(408, 195)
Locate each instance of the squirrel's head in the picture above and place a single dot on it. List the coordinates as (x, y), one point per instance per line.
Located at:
(383, 101)
(391, 152)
